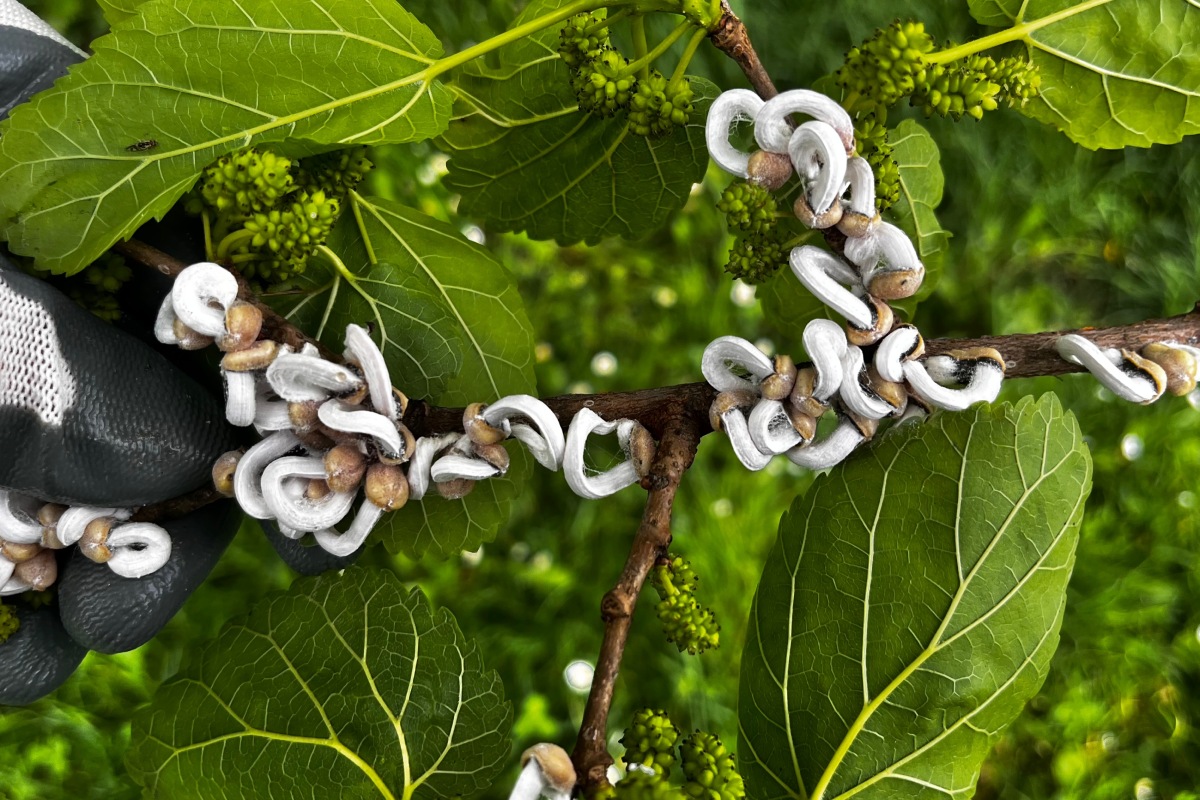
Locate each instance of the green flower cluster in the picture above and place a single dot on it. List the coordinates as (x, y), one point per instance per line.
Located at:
(897, 62)
(9, 624)
(246, 182)
(95, 288)
(282, 239)
(269, 212)
(871, 142)
(658, 107)
(336, 173)
(645, 786)
(606, 83)
(688, 625)
(759, 250)
(1019, 79)
(650, 741)
(582, 39)
(710, 769)
(889, 65)
(961, 87)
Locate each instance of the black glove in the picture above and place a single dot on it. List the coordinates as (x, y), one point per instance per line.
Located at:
(90, 415)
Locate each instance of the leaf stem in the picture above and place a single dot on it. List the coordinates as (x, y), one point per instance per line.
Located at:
(355, 201)
(640, 46)
(208, 238)
(511, 35)
(671, 38)
(336, 262)
(232, 240)
(1018, 32)
(689, 53)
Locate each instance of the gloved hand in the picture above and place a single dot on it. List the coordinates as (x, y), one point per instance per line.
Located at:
(90, 416)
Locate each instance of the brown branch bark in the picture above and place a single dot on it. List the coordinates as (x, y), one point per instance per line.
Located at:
(676, 450)
(275, 326)
(731, 37)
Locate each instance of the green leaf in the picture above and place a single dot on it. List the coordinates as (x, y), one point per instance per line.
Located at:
(921, 185)
(347, 685)
(525, 159)
(1114, 72)
(444, 528)
(454, 331)
(911, 605)
(116, 11)
(202, 78)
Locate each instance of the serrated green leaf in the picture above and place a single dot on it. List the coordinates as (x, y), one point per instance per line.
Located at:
(454, 331)
(525, 159)
(911, 606)
(116, 11)
(921, 184)
(202, 78)
(1115, 73)
(347, 685)
(444, 528)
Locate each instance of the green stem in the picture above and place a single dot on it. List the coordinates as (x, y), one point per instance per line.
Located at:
(230, 241)
(1018, 32)
(245, 258)
(608, 22)
(208, 240)
(661, 47)
(640, 46)
(516, 34)
(688, 53)
(337, 263)
(355, 200)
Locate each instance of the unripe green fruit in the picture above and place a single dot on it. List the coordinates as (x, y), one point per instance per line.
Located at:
(650, 741)
(709, 769)
(247, 182)
(645, 786)
(335, 173)
(657, 108)
(688, 625)
(582, 39)
(887, 66)
(604, 85)
(755, 257)
(748, 207)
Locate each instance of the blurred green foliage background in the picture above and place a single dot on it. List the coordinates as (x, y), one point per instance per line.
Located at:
(1046, 235)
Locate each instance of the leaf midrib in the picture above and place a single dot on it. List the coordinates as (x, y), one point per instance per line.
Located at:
(935, 645)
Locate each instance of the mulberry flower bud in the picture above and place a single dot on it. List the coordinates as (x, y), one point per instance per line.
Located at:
(871, 141)
(335, 173)
(650, 741)
(887, 66)
(604, 85)
(1020, 80)
(755, 257)
(748, 207)
(709, 769)
(582, 39)
(687, 624)
(247, 182)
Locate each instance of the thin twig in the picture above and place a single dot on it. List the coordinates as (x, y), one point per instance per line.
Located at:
(675, 452)
(731, 38)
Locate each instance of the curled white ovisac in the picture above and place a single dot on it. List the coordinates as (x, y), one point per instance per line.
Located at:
(1118, 371)
(927, 379)
(575, 469)
(823, 274)
(773, 131)
(138, 549)
(818, 157)
(862, 186)
(732, 107)
(201, 295)
(727, 352)
(18, 518)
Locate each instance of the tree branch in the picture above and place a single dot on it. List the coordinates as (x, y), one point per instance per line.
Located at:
(676, 450)
(731, 38)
